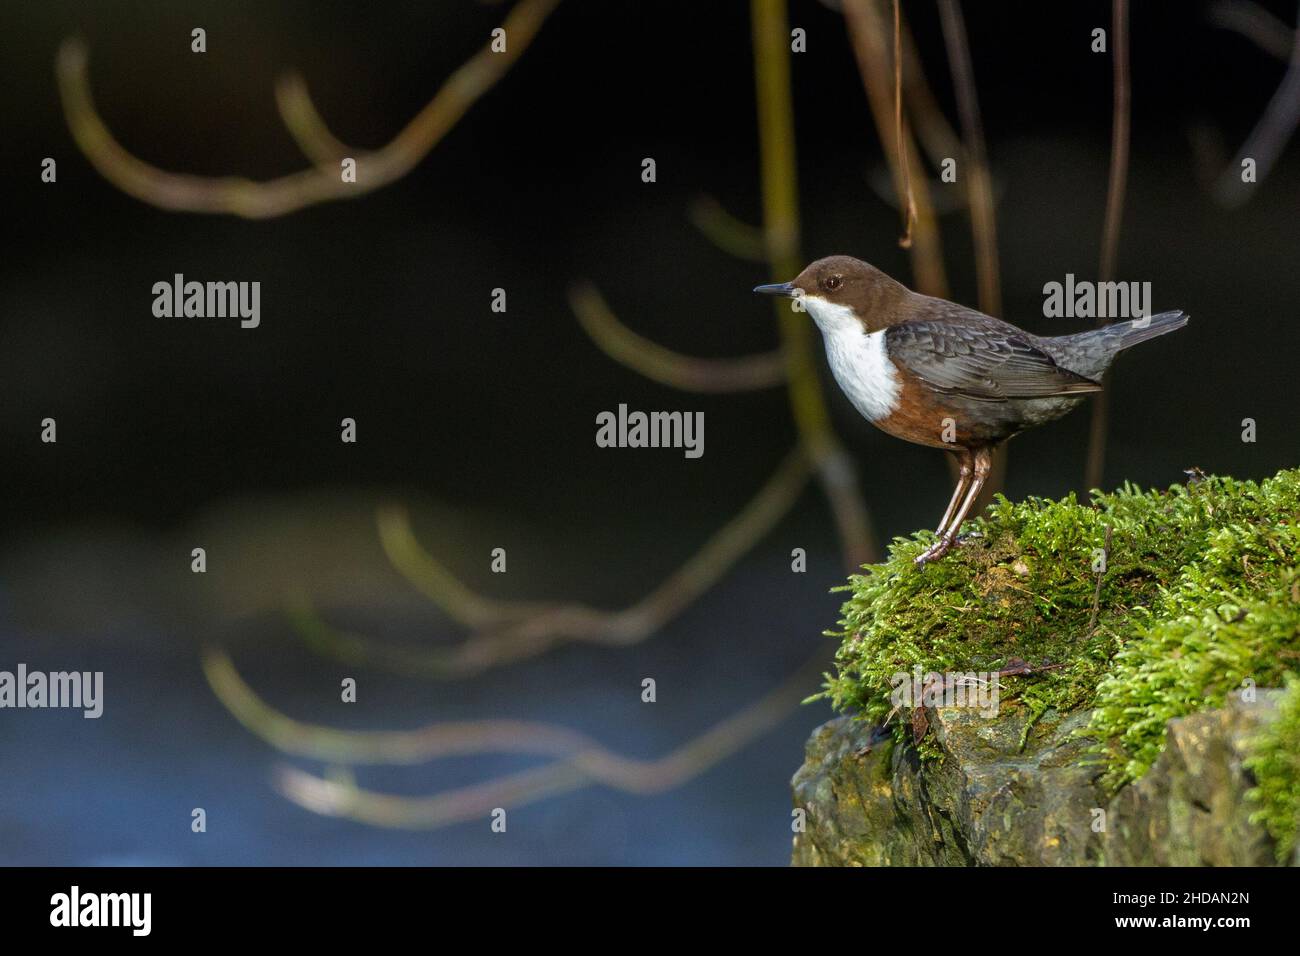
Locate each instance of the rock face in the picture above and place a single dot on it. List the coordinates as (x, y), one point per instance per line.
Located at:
(991, 802)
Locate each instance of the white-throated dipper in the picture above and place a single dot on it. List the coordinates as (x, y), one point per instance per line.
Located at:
(936, 373)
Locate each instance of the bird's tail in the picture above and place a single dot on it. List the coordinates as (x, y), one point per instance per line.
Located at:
(1090, 353)
(1123, 335)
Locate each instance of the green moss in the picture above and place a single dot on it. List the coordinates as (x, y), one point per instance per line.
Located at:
(1275, 762)
(1200, 591)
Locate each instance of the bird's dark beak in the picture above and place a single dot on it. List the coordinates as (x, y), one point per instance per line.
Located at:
(776, 288)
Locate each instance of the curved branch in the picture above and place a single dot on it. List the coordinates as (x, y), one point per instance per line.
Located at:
(392, 747)
(438, 584)
(516, 630)
(731, 235)
(582, 761)
(1270, 135)
(1254, 23)
(306, 126)
(340, 798)
(234, 195)
(666, 367)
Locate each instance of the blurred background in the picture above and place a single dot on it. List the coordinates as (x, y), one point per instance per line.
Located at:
(182, 433)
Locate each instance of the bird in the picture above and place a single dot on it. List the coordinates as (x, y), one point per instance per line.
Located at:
(936, 373)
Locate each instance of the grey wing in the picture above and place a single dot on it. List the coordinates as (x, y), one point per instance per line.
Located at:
(987, 361)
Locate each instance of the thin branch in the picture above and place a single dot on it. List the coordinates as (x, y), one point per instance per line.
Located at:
(659, 364)
(983, 222)
(776, 146)
(866, 27)
(779, 176)
(406, 747)
(908, 207)
(308, 129)
(1096, 594)
(947, 198)
(731, 235)
(234, 195)
(1119, 145)
(867, 34)
(933, 131)
(438, 584)
(1256, 24)
(340, 798)
(1119, 151)
(511, 631)
(1269, 137)
(980, 193)
(583, 760)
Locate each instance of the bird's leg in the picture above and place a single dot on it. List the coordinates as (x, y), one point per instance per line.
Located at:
(983, 468)
(964, 461)
(983, 465)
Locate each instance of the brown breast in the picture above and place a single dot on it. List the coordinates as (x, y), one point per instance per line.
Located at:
(927, 417)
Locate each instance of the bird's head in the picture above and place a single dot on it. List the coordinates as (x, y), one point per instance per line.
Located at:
(841, 289)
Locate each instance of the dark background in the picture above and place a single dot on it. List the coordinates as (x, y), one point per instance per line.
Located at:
(175, 433)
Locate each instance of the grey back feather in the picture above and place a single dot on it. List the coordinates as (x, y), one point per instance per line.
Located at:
(956, 350)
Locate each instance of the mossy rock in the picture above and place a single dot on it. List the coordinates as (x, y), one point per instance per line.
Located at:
(992, 802)
(1197, 597)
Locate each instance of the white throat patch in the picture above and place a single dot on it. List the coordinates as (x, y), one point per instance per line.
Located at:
(858, 359)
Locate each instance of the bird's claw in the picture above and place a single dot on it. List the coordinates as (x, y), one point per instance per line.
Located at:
(935, 551)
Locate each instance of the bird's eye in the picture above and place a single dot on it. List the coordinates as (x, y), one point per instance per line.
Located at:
(833, 282)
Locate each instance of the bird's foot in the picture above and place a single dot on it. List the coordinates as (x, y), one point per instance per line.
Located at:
(936, 550)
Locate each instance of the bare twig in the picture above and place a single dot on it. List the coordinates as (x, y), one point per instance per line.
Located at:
(420, 745)
(934, 134)
(866, 27)
(1119, 150)
(867, 33)
(1119, 146)
(333, 797)
(983, 222)
(662, 365)
(731, 235)
(781, 226)
(980, 192)
(1096, 594)
(508, 631)
(238, 196)
(1269, 137)
(909, 206)
(933, 131)
(581, 761)
(308, 129)
(1256, 24)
